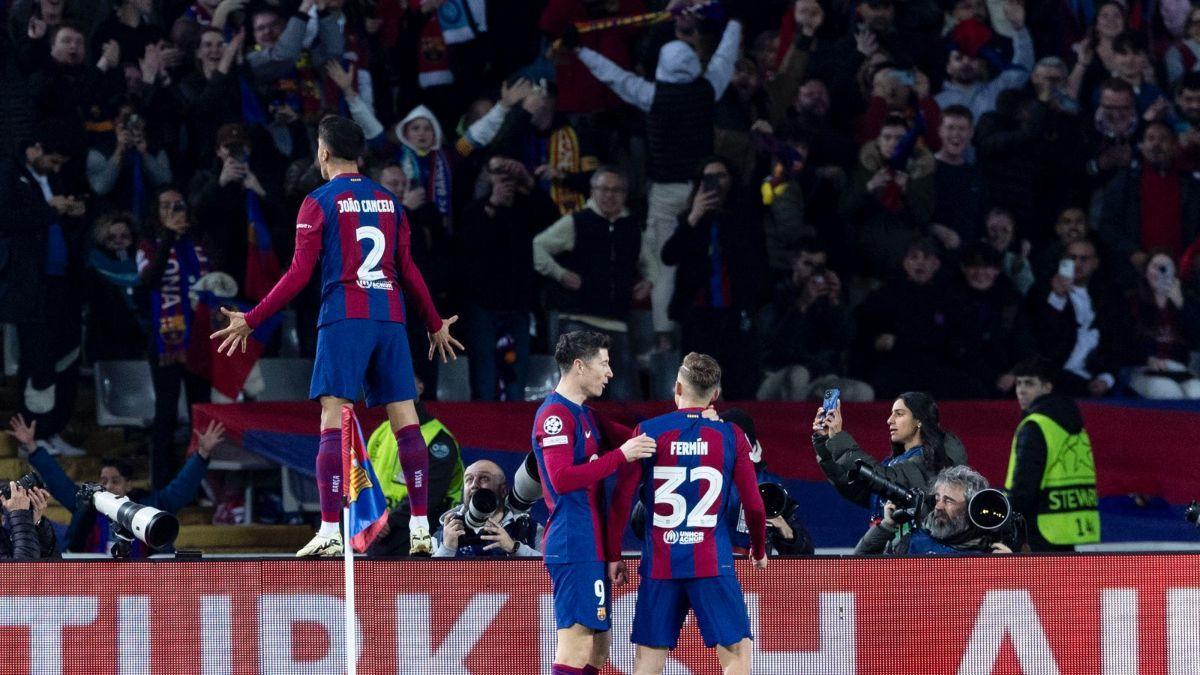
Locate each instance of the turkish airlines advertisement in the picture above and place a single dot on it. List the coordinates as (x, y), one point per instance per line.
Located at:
(1108, 615)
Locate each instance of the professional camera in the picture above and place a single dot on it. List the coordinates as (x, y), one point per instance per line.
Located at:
(28, 481)
(774, 497)
(911, 504)
(155, 528)
(1193, 513)
(990, 513)
(527, 486)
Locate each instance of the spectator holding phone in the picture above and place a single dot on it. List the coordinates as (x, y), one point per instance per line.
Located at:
(1166, 329)
(920, 448)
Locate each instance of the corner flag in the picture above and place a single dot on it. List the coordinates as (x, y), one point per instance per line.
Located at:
(364, 496)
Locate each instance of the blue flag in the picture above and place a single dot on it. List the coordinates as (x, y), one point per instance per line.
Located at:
(364, 496)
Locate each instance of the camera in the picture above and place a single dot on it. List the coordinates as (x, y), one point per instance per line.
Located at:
(912, 504)
(991, 515)
(527, 486)
(157, 529)
(774, 497)
(28, 481)
(1193, 513)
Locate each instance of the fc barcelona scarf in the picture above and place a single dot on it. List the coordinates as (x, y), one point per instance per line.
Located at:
(432, 172)
(170, 304)
(262, 265)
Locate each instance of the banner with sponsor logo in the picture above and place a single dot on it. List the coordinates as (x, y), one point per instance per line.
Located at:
(1107, 615)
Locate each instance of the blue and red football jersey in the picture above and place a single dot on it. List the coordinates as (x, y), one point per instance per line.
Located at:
(568, 443)
(357, 229)
(686, 489)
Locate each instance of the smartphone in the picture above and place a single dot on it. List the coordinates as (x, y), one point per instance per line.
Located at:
(832, 396)
(1066, 268)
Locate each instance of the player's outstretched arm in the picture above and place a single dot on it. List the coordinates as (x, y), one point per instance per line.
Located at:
(235, 335)
(444, 344)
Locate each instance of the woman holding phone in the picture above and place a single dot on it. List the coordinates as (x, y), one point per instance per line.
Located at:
(920, 448)
(1166, 328)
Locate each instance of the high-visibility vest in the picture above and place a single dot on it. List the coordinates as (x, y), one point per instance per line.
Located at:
(1068, 506)
(386, 461)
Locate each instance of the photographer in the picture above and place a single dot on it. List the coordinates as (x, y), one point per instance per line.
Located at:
(27, 535)
(920, 449)
(90, 531)
(946, 529)
(503, 533)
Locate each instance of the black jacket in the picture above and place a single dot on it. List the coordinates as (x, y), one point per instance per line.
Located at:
(1030, 459)
(23, 540)
(497, 251)
(1056, 331)
(740, 236)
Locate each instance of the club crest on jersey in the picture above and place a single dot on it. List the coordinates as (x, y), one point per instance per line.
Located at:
(601, 613)
(552, 425)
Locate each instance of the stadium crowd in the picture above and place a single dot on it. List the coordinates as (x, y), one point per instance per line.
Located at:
(877, 195)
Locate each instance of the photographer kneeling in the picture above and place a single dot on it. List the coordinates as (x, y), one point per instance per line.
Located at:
(945, 529)
(484, 526)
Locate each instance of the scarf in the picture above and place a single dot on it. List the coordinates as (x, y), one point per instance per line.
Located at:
(562, 151)
(431, 171)
(433, 63)
(262, 265)
(169, 303)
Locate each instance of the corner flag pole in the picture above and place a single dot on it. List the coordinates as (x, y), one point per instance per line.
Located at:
(348, 559)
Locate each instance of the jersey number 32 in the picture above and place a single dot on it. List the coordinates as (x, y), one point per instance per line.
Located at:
(675, 476)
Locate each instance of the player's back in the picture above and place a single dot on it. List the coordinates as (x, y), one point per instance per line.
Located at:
(574, 531)
(362, 230)
(686, 487)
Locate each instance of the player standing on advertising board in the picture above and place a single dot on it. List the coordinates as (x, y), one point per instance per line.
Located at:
(687, 557)
(569, 442)
(357, 230)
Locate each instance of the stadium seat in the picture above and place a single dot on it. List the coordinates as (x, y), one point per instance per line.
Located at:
(541, 378)
(285, 379)
(454, 380)
(125, 394)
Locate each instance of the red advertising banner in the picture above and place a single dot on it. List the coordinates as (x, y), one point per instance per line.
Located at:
(1107, 615)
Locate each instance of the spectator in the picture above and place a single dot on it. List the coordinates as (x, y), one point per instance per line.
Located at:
(232, 203)
(957, 183)
(920, 450)
(1132, 66)
(27, 535)
(209, 97)
(1185, 120)
(973, 54)
(902, 92)
(831, 148)
(1166, 329)
(992, 331)
(1150, 205)
(504, 532)
(580, 91)
(279, 43)
(905, 329)
(170, 262)
(130, 27)
(603, 267)
(66, 87)
(805, 332)
(801, 201)
(1109, 141)
(719, 248)
(1184, 56)
(44, 229)
(890, 197)
(1071, 225)
(124, 167)
(1000, 228)
(945, 529)
(550, 147)
(1096, 59)
(91, 531)
(680, 108)
(1051, 472)
(114, 329)
(1076, 322)
(495, 234)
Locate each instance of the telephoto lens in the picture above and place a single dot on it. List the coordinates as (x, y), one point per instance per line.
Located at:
(481, 506)
(774, 498)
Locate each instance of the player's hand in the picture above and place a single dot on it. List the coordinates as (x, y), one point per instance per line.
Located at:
(236, 334)
(443, 343)
(496, 534)
(638, 447)
(618, 573)
(760, 563)
(710, 413)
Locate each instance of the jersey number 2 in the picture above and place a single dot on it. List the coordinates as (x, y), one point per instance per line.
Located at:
(369, 269)
(675, 476)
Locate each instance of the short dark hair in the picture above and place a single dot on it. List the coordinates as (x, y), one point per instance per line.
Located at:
(122, 466)
(1035, 366)
(67, 25)
(1141, 136)
(1129, 42)
(342, 136)
(701, 372)
(957, 110)
(579, 344)
(894, 121)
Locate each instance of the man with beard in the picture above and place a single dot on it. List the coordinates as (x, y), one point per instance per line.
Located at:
(973, 51)
(945, 529)
(1185, 119)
